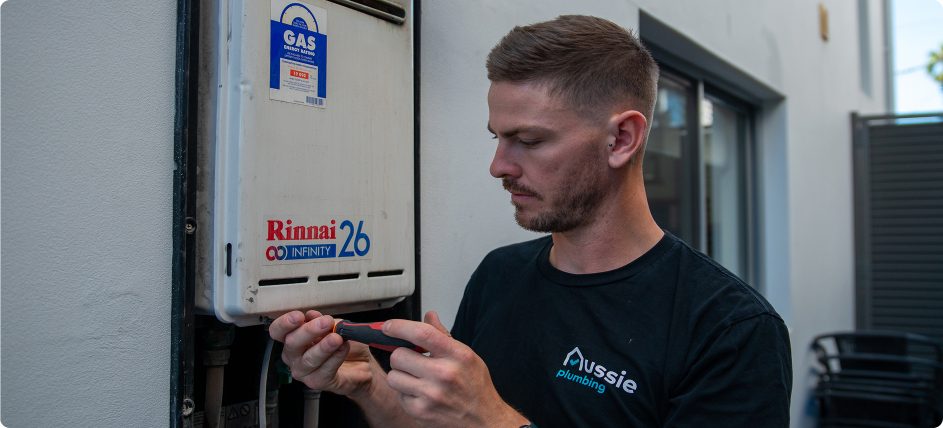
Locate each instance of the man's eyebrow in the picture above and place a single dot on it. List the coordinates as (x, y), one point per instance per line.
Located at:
(523, 129)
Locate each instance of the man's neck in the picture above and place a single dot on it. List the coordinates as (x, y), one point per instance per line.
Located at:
(621, 232)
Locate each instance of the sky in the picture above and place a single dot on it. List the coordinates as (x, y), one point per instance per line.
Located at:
(918, 29)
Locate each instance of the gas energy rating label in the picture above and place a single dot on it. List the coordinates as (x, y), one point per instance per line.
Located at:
(298, 58)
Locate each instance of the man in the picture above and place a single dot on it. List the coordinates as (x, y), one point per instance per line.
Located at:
(609, 321)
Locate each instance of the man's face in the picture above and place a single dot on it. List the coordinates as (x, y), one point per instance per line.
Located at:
(551, 159)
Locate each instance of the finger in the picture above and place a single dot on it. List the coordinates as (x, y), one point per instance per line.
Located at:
(299, 340)
(416, 407)
(432, 318)
(424, 335)
(285, 324)
(335, 360)
(410, 361)
(404, 383)
(322, 359)
(315, 357)
(312, 314)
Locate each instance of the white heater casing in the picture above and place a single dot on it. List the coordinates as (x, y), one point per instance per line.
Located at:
(306, 191)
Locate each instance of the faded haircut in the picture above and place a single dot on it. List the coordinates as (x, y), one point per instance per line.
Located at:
(590, 63)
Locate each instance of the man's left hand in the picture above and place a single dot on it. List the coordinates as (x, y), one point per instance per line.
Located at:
(451, 387)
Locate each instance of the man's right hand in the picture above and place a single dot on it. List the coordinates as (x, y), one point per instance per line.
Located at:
(321, 359)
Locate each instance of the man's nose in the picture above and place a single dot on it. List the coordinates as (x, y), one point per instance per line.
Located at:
(502, 165)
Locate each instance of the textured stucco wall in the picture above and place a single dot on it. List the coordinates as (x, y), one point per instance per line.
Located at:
(87, 158)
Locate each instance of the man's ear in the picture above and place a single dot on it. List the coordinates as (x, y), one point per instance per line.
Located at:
(627, 132)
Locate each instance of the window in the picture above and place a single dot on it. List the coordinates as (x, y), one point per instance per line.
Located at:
(697, 169)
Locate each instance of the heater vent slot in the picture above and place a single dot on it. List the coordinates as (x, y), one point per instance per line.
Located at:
(377, 273)
(338, 277)
(283, 281)
(228, 259)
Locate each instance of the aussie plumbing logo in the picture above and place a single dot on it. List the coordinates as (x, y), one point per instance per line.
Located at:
(583, 371)
(287, 240)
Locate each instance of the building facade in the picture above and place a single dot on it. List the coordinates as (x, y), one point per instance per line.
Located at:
(750, 160)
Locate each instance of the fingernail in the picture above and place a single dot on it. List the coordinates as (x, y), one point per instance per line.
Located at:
(319, 323)
(294, 318)
(386, 327)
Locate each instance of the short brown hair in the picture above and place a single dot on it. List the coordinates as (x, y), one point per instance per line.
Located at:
(589, 62)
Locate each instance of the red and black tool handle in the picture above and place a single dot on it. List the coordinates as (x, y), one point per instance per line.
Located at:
(371, 334)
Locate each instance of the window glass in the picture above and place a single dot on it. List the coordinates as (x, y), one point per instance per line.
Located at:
(662, 164)
(696, 169)
(722, 158)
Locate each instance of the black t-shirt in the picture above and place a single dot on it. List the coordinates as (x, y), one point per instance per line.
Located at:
(671, 339)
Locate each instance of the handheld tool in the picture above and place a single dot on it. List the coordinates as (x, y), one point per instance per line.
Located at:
(371, 334)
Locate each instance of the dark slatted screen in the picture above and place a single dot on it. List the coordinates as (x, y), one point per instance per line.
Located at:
(899, 224)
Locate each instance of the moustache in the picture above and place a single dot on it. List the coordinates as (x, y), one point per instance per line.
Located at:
(515, 187)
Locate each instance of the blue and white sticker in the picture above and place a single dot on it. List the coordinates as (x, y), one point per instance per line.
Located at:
(298, 58)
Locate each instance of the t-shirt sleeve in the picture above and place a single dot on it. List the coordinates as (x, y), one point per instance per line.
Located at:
(743, 378)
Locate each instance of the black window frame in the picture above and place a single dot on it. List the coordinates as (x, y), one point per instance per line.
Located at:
(700, 86)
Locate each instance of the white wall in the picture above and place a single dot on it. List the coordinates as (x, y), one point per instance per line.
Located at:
(87, 115)
(87, 158)
(804, 143)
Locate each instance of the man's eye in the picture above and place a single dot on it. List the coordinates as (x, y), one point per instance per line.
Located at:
(529, 142)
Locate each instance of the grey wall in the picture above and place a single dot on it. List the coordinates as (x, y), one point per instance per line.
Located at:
(87, 158)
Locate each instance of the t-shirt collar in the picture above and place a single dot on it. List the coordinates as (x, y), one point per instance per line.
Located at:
(600, 278)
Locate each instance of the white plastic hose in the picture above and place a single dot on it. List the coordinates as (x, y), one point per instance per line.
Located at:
(263, 380)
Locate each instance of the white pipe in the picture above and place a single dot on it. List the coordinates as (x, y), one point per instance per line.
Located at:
(312, 408)
(263, 379)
